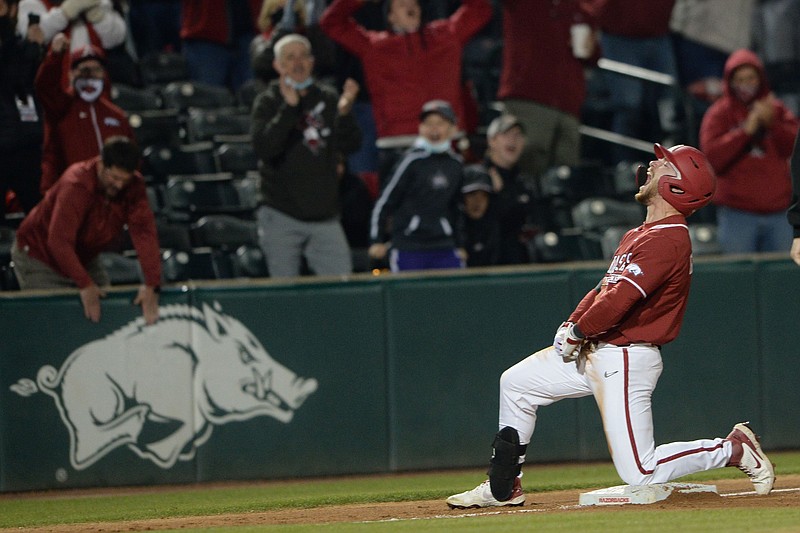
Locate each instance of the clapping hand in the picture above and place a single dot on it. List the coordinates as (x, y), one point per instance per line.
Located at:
(349, 94)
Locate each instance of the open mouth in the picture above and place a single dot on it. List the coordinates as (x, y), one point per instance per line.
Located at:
(643, 175)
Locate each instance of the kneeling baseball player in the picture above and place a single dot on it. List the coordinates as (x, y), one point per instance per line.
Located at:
(610, 348)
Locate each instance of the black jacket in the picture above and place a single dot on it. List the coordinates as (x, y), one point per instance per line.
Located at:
(19, 60)
(297, 148)
(516, 207)
(421, 199)
(794, 209)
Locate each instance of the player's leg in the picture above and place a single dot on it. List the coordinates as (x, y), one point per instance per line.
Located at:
(540, 379)
(623, 380)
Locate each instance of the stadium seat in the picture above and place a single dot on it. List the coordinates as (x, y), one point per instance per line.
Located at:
(249, 190)
(121, 269)
(188, 198)
(704, 239)
(197, 264)
(594, 216)
(248, 261)
(206, 124)
(562, 246)
(182, 95)
(224, 231)
(173, 235)
(248, 91)
(574, 183)
(132, 99)
(161, 161)
(624, 178)
(162, 127)
(611, 238)
(238, 158)
(8, 280)
(598, 213)
(154, 198)
(160, 68)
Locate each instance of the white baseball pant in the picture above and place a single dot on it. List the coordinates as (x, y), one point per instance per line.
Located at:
(622, 380)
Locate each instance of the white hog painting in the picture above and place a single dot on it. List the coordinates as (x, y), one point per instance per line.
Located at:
(161, 389)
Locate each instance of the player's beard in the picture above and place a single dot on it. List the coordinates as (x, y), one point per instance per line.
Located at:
(647, 193)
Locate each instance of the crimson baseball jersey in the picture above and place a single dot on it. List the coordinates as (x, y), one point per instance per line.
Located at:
(642, 297)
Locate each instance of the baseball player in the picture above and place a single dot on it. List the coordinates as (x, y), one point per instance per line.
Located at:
(610, 347)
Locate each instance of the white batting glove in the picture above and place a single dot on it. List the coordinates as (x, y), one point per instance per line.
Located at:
(561, 333)
(568, 341)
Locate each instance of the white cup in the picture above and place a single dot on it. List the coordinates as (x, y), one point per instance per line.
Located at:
(580, 35)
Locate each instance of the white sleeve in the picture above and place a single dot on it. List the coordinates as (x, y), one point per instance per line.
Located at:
(111, 29)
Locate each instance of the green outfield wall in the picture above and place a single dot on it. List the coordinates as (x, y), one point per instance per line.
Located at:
(274, 379)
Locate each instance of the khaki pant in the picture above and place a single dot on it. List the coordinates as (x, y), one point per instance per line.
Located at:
(34, 274)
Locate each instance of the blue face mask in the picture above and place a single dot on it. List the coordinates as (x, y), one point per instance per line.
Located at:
(431, 148)
(300, 85)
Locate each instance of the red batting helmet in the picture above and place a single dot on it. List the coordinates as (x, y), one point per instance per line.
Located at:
(695, 182)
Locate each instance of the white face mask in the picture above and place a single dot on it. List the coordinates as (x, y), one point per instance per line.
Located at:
(746, 93)
(432, 148)
(89, 89)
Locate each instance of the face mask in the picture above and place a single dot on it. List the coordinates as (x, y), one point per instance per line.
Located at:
(89, 89)
(746, 93)
(300, 85)
(432, 148)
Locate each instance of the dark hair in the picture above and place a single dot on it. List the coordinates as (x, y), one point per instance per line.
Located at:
(120, 151)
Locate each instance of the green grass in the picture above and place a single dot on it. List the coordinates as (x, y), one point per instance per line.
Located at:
(69, 507)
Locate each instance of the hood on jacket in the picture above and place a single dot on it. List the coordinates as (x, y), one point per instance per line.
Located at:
(745, 57)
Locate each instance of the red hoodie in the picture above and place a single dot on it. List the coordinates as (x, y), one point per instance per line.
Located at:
(74, 130)
(538, 64)
(403, 71)
(752, 170)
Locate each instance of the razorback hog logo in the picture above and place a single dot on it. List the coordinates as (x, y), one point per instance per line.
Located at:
(160, 389)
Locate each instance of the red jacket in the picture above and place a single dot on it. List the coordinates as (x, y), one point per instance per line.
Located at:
(75, 221)
(209, 20)
(752, 171)
(403, 71)
(74, 130)
(538, 64)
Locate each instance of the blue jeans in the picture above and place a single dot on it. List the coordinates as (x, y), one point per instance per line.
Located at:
(742, 232)
(218, 64)
(632, 98)
(366, 158)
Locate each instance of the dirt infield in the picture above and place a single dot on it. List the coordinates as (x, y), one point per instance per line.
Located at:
(732, 494)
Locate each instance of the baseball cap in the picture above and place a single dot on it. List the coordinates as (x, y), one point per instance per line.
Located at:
(476, 181)
(440, 107)
(502, 124)
(84, 53)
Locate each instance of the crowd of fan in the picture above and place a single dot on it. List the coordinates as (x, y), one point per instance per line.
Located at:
(288, 137)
